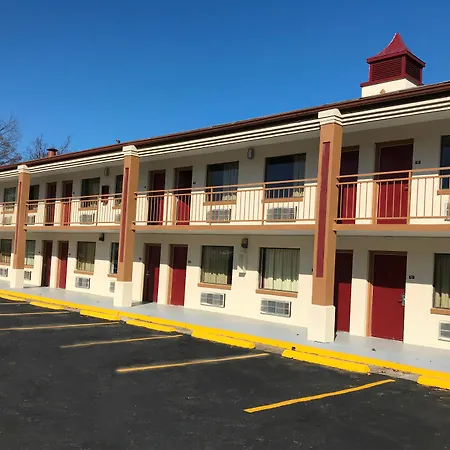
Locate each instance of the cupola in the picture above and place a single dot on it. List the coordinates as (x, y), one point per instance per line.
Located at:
(393, 69)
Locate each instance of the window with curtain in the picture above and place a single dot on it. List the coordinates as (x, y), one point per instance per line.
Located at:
(5, 250)
(118, 190)
(217, 265)
(114, 258)
(30, 247)
(445, 162)
(279, 269)
(9, 195)
(33, 197)
(284, 176)
(86, 256)
(442, 281)
(222, 179)
(90, 187)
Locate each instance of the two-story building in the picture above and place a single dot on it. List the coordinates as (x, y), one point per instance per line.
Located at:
(334, 217)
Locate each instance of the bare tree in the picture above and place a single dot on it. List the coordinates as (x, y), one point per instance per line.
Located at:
(38, 147)
(9, 138)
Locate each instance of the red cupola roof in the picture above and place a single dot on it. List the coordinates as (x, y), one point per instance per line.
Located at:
(395, 62)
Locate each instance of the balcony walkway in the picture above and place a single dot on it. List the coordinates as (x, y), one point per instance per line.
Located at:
(392, 351)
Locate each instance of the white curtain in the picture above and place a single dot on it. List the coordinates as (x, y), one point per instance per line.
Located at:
(442, 281)
(86, 256)
(217, 265)
(230, 178)
(281, 267)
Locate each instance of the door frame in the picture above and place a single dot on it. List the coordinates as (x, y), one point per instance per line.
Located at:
(66, 203)
(150, 185)
(146, 247)
(177, 171)
(372, 254)
(44, 244)
(169, 288)
(378, 147)
(348, 149)
(59, 262)
(351, 252)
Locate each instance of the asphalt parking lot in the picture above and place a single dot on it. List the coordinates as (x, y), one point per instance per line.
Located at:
(73, 382)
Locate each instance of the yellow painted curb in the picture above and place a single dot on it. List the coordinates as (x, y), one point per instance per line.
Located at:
(98, 315)
(151, 326)
(434, 382)
(157, 320)
(223, 339)
(325, 361)
(47, 305)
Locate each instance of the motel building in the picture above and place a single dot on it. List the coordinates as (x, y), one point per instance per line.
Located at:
(331, 218)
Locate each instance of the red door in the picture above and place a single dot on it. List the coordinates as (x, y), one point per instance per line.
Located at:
(388, 281)
(156, 199)
(46, 262)
(184, 185)
(151, 281)
(179, 262)
(63, 253)
(348, 191)
(50, 204)
(393, 189)
(66, 202)
(343, 289)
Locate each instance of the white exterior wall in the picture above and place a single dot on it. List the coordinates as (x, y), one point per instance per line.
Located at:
(421, 327)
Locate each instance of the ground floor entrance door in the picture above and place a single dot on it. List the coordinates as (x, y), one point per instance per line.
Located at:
(343, 289)
(388, 290)
(63, 253)
(178, 263)
(47, 247)
(151, 281)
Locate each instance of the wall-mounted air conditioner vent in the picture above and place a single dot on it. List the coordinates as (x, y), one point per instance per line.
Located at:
(87, 218)
(27, 275)
(81, 282)
(219, 215)
(276, 307)
(31, 220)
(212, 299)
(117, 218)
(282, 213)
(112, 286)
(444, 331)
(7, 220)
(3, 271)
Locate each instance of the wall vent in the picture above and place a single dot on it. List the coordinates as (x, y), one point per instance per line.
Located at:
(282, 214)
(31, 220)
(112, 286)
(7, 220)
(276, 307)
(444, 331)
(3, 271)
(212, 299)
(82, 282)
(87, 218)
(27, 275)
(219, 215)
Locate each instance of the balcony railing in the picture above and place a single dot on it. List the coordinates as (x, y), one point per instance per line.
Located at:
(409, 197)
(86, 211)
(8, 211)
(286, 202)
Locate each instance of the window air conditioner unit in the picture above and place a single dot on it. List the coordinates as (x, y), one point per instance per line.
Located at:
(276, 307)
(27, 275)
(82, 282)
(87, 218)
(219, 215)
(7, 220)
(282, 214)
(117, 218)
(112, 286)
(444, 331)
(3, 271)
(212, 299)
(31, 220)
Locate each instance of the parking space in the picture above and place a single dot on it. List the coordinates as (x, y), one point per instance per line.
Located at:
(68, 381)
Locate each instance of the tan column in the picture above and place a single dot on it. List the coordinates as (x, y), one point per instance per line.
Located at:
(20, 235)
(123, 289)
(322, 317)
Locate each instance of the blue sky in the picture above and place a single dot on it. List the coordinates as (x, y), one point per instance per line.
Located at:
(104, 70)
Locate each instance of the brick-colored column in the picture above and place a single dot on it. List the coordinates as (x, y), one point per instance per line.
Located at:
(20, 234)
(124, 283)
(322, 313)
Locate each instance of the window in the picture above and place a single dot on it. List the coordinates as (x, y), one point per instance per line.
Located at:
(118, 190)
(90, 187)
(86, 256)
(9, 194)
(218, 177)
(442, 281)
(445, 162)
(114, 258)
(284, 175)
(5, 250)
(30, 247)
(33, 197)
(279, 268)
(217, 265)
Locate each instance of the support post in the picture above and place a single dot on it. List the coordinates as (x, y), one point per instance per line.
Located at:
(124, 283)
(321, 322)
(20, 232)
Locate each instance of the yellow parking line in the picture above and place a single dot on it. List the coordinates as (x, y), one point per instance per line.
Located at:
(188, 363)
(55, 327)
(32, 313)
(315, 397)
(119, 341)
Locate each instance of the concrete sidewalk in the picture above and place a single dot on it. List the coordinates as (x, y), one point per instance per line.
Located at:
(390, 354)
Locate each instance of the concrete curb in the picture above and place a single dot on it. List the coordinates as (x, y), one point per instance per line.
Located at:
(160, 324)
(223, 339)
(98, 315)
(434, 382)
